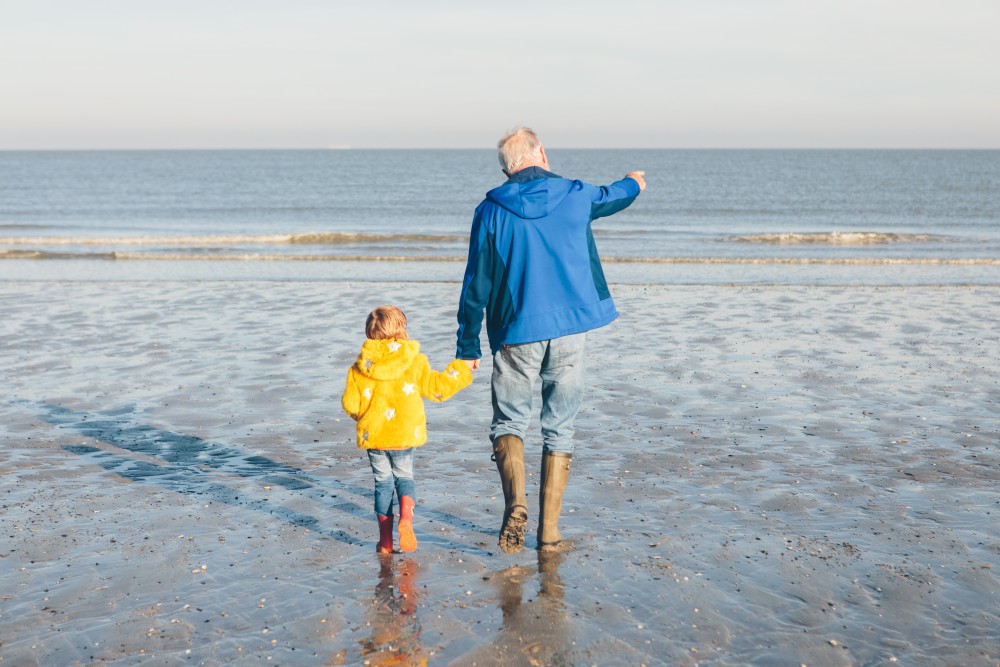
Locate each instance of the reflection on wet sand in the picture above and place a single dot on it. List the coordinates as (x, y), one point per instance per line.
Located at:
(394, 638)
(534, 631)
(832, 457)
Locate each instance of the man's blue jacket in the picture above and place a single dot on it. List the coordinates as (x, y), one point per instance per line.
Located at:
(533, 265)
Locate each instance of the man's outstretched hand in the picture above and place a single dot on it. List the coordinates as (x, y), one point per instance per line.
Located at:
(637, 176)
(473, 364)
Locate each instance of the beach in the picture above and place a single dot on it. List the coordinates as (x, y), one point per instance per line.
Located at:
(766, 475)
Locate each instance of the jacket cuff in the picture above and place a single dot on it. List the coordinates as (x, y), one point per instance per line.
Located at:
(463, 370)
(632, 185)
(470, 352)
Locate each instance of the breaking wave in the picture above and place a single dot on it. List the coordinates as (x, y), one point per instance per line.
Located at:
(307, 238)
(280, 257)
(837, 238)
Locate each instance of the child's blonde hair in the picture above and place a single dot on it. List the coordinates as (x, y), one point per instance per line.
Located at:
(386, 322)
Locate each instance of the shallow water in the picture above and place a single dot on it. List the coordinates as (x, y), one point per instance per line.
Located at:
(764, 475)
(711, 217)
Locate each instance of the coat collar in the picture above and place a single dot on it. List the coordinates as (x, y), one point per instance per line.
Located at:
(530, 174)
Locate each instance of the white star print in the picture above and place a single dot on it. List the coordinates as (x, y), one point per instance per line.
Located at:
(367, 392)
(453, 374)
(408, 388)
(365, 436)
(393, 346)
(416, 432)
(389, 414)
(369, 363)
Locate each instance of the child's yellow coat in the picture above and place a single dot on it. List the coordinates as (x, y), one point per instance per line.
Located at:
(385, 391)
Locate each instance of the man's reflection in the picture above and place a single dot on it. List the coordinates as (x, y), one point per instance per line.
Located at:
(536, 631)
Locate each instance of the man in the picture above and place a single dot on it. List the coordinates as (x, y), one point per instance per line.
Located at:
(533, 267)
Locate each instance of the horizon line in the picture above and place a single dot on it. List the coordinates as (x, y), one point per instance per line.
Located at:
(345, 149)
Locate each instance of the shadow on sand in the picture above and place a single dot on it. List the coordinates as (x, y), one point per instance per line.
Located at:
(192, 465)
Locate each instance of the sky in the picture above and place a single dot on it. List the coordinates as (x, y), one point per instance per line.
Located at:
(133, 74)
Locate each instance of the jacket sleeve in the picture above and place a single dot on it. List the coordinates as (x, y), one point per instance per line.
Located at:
(609, 199)
(476, 288)
(441, 386)
(351, 400)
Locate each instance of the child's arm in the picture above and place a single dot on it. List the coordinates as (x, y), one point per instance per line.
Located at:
(351, 400)
(441, 386)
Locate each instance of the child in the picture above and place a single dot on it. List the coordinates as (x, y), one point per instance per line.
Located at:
(384, 394)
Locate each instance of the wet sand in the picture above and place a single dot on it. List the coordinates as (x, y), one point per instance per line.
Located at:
(768, 476)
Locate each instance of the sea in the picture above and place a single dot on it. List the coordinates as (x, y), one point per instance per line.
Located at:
(800, 217)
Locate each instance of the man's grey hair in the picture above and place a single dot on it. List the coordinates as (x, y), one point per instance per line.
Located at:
(518, 146)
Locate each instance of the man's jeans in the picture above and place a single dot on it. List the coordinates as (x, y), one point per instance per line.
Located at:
(393, 469)
(559, 362)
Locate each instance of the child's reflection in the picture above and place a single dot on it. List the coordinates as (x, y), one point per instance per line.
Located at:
(395, 628)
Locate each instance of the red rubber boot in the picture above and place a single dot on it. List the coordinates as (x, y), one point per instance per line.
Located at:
(384, 534)
(407, 540)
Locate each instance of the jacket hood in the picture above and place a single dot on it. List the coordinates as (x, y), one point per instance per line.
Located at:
(386, 359)
(531, 193)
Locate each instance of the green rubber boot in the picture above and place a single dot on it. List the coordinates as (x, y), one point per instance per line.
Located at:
(508, 452)
(555, 475)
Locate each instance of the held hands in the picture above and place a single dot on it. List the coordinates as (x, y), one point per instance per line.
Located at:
(473, 364)
(637, 176)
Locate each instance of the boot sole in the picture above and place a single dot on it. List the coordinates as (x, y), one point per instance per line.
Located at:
(512, 534)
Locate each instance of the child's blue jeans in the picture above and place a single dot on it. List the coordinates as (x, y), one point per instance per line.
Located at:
(393, 470)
